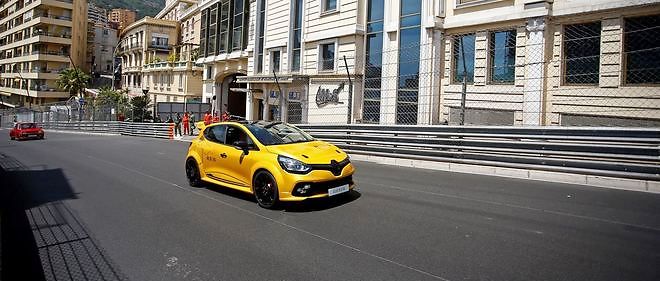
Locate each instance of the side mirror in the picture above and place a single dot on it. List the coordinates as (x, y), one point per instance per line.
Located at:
(242, 145)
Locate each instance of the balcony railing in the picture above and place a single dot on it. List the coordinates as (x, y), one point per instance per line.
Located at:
(44, 70)
(158, 65)
(51, 34)
(130, 47)
(44, 88)
(160, 47)
(44, 15)
(52, 53)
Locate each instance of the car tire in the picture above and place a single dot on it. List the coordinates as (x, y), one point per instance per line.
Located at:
(265, 190)
(41, 137)
(192, 173)
(12, 138)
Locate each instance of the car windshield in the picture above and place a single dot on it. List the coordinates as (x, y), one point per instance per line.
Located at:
(28, 126)
(273, 133)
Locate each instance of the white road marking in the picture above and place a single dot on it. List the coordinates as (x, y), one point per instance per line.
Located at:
(275, 221)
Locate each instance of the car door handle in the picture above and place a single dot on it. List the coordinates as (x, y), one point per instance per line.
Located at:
(223, 155)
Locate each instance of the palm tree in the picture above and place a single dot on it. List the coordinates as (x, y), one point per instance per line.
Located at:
(73, 80)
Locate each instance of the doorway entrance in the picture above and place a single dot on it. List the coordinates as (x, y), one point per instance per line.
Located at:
(234, 97)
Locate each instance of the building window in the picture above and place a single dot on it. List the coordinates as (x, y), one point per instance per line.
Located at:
(203, 35)
(213, 20)
(209, 72)
(329, 5)
(582, 53)
(259, 56)
(180, 80)
(275, 61)
(409, 50)
(374, 62)
(461, 2)
(223, 38)
(297, 35)
(642, 50)
(159, 41)
(327, 56)
(502, 57)
(463, 55)
(239, 37)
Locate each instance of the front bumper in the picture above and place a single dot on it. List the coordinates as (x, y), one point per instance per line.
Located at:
(29, 136)
(319, 182)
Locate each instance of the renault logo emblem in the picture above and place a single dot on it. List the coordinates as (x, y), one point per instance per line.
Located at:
(335, 167)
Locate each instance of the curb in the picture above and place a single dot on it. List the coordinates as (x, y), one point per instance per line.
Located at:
(537, 175)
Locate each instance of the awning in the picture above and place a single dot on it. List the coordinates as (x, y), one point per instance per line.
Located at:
(285, 79)
(8, 104)
(240, 90)
(94, 92)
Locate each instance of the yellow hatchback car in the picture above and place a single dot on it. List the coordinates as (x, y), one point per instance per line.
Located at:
(274, 161)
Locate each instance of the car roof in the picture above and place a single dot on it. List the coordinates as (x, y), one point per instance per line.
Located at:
(241, 122)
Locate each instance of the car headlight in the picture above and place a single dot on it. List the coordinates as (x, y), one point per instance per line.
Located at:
(292, 165)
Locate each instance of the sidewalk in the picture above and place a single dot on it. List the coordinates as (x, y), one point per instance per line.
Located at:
(185, 138)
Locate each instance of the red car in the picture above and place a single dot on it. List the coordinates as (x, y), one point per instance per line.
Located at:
(25, 131)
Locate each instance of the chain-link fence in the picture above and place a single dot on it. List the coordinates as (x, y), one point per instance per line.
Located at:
(596, 73)
(71, 110)
(599, 73)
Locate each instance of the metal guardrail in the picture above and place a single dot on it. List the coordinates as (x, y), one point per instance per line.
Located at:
(153, 130)
(617, 152)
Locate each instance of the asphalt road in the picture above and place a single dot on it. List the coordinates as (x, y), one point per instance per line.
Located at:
(120, 208)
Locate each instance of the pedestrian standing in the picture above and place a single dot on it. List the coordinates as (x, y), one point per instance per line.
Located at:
(216, 118)
(192, 123)
(186, 124)
(207, 118)
(177, 124)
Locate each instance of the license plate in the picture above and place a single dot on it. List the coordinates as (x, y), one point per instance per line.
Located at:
(338, 190)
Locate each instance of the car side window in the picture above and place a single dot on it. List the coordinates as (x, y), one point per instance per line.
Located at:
(215, 134)
(235, 134)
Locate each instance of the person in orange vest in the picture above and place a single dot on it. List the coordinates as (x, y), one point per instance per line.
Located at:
(216, 118)
(226, 116)
(186, 124)
(207, 118)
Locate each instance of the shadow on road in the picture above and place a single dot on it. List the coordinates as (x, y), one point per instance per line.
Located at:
(320, 204)
(42, 238)
(309, 205)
